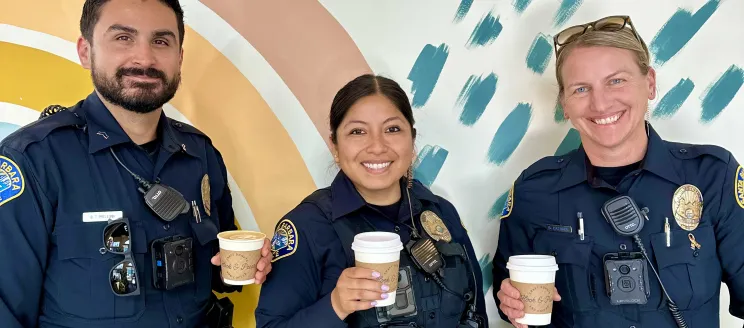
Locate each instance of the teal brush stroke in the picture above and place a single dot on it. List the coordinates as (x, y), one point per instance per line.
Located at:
(558, 113)
(486, 266)
(6, 129)
(510, 134)
(462, 10)
(475, 96)
(487, 30)
(498, 206)
(678, 30)
(719, 94)
(570, 142)
(539, 54)
(673, 100)
(566, 10)
(425, 72)
(429, 163)
(521, 5)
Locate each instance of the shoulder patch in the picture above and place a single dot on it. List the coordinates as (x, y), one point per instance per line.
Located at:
(284, 243)
(12, 183)
(739, 186)
(508, 204)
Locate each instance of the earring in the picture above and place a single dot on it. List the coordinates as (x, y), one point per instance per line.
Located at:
(409, 177)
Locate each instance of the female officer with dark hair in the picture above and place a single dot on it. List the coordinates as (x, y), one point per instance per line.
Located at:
(314, 282)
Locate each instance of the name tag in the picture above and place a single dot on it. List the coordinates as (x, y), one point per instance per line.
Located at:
(102, 216)
(559, 228)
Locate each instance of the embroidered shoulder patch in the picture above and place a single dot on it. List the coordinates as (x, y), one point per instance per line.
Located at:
(738, 186)
(284, 242)
(11, 180)
(508, 204)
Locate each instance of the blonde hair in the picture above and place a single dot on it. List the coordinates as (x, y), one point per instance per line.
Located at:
(623, 39)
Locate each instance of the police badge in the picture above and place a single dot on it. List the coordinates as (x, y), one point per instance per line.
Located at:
(434, 226)
(206, 197)
(687, 206)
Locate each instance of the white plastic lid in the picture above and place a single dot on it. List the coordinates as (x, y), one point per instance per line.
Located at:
(377, 242)
(532, 263)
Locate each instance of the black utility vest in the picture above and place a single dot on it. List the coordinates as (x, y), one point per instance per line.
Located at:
(434, 307)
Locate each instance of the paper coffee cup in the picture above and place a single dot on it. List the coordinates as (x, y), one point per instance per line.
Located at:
(240, 251)
(380, 251)
(534, 277)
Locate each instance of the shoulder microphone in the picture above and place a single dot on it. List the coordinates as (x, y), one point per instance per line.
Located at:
(166, 202)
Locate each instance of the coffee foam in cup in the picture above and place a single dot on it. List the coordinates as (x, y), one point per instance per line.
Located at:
(240, 252)
(380, 251)
(534, 277)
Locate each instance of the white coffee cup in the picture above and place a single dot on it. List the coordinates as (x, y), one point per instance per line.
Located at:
(380, 251)
(240, 251)
(534, 277)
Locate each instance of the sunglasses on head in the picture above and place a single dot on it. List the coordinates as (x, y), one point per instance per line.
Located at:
(609, 23)
(117, 240)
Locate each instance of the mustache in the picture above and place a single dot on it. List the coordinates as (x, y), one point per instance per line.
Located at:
(134, 71)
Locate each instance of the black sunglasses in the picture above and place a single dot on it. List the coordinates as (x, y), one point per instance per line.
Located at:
(609, 23)
(117, 240)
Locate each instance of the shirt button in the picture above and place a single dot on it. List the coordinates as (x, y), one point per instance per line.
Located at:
(683, 150)
(560, 160)
(166, 226)
(432, 315)
(623, 247)
(179, 319)
(632, 327)
(397, 229)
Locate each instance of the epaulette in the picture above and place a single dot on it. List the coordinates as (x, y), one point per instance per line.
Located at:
(546, 164)
(320, 199)
(52, 118)
(187, 128)
(691, 151)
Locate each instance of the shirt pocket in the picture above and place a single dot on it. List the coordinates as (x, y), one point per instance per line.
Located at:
(691, 277)
(79, 280)
(574, 279)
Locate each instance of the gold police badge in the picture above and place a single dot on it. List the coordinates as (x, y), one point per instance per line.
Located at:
(206, 197)
(435, 227)
(687, 206)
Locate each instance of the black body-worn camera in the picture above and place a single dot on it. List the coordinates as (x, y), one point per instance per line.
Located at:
(172, 262)
(626, 278)
(405, 300)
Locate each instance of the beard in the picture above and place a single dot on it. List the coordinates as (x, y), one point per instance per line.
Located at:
(143, 97)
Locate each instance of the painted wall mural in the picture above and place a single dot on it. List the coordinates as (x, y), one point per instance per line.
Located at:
(259, 77)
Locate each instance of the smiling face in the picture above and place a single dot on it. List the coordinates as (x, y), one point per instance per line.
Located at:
(134, 54)
(605, 95)
(374, 146)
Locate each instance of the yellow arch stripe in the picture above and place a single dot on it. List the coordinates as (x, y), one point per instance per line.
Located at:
(214, 96)
(35, 79)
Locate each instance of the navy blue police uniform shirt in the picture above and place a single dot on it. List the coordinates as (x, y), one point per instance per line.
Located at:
(57, 173)
(297, 293)
(699, 188)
